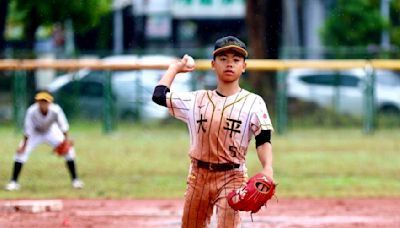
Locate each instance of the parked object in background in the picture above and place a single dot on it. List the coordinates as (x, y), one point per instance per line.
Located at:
(83, 91)
(343, 91)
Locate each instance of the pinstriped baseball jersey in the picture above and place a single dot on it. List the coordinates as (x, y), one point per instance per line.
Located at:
(220, 127)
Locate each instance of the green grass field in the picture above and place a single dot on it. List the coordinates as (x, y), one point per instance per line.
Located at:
(140, 161)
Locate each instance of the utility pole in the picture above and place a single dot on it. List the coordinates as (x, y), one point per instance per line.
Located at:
(385, 13)
(118, 33)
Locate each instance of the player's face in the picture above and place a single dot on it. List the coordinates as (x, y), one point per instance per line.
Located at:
(44, 106)
(229, 66)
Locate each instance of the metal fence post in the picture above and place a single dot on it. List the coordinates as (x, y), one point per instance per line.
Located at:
(281, 102)
(336, 95)
(369, 101)
(19, 99)
(140, 99)
(107, 104)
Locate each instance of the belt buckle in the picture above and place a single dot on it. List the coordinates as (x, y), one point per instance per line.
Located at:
(210, 166)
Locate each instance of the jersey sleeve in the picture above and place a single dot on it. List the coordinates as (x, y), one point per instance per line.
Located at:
(260, 119)
(179, 104)
(61, 119)
(28, 123)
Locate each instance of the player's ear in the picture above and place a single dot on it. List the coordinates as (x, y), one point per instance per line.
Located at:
(213, 64)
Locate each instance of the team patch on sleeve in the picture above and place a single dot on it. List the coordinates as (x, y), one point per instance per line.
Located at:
(260, 118)
(265, 122)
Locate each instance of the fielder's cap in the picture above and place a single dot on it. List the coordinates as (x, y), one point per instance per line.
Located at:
(230, 42)
(44, 96)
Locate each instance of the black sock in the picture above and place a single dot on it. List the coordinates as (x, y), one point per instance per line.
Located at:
(71, 169)
(16, 171)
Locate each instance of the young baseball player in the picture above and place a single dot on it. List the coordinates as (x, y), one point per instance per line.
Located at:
(221, 124)
(45, 122)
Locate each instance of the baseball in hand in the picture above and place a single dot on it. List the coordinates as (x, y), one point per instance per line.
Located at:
(190, 61)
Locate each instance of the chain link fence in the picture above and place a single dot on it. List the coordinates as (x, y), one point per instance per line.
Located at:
(317, 93)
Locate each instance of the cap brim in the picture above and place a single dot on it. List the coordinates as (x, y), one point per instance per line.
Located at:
(240, 50)
(44, 97)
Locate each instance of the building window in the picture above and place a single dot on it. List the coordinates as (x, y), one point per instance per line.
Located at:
(187, 2)
(206, 2)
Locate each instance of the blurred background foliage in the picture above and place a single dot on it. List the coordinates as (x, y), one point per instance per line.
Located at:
(359, 23)
(31, 15)
(354, 23)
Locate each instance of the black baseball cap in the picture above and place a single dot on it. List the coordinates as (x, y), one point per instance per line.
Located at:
(230, 42)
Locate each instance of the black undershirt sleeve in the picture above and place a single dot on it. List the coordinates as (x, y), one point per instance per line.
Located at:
(263, 137)
(160, 95)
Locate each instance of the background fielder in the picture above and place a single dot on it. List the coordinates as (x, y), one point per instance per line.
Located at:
(221, 124)
(45, 122)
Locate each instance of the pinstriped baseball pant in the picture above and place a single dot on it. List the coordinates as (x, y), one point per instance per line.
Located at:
(206, 189)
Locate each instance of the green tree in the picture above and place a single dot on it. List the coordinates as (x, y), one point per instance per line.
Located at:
(394, 27)
(33, 13)
(3, 16)
(354, 23)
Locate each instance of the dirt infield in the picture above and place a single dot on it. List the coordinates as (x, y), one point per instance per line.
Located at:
(166, 213)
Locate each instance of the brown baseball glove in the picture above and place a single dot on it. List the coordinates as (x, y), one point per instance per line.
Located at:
(252, 196)
(63, 148)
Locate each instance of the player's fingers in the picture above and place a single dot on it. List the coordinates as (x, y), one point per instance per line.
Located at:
(185, 59)
(188, 69)
(269, 173)
(181, 65)
(184, 67)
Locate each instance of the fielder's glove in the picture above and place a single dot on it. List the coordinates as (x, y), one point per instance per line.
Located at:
(63, 148)
(252, 196)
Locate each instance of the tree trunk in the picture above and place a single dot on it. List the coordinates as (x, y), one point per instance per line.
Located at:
(3, 16)
(255, 19)
(31, 25)
(264, 23)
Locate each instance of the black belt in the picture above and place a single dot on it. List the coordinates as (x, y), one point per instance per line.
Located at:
(217, 167)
